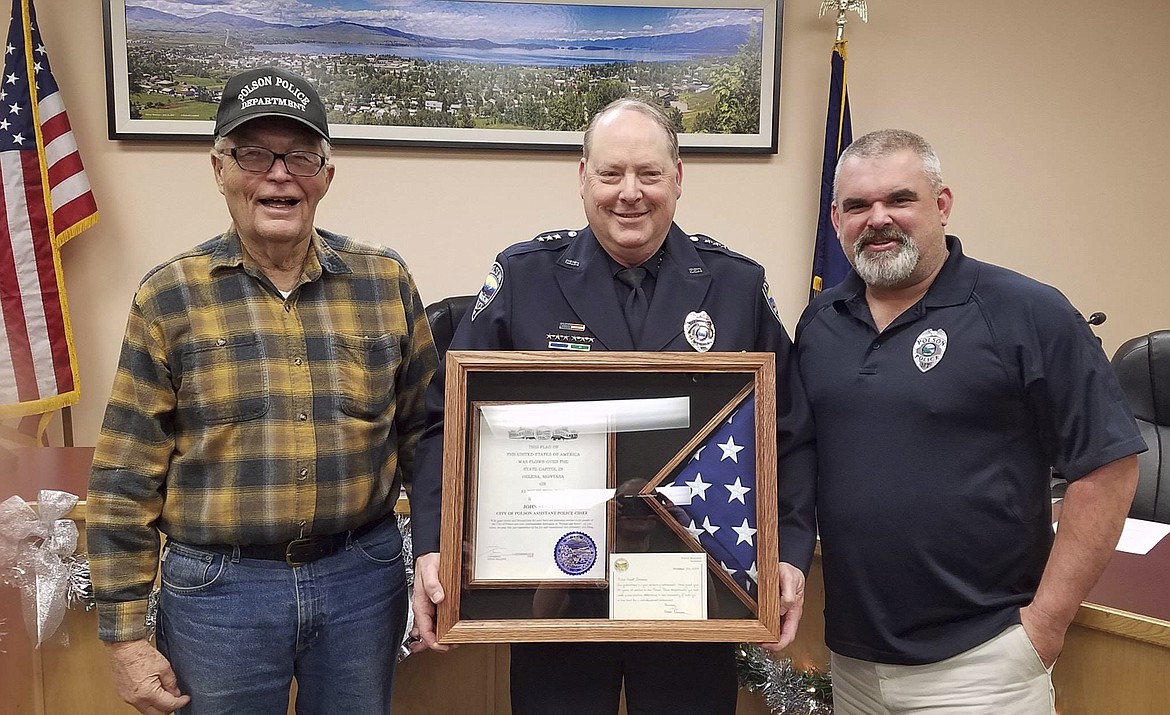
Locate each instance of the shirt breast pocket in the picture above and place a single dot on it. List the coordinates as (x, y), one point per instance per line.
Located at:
(367, 366)
(224, 380)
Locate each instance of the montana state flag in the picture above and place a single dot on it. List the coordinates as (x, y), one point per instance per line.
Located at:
(829, 263)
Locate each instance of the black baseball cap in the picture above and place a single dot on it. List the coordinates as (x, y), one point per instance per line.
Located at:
(269, 92)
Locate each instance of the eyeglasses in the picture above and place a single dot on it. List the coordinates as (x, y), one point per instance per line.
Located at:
(259, 160)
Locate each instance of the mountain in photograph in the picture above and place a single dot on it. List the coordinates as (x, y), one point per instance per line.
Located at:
(711, 39)
(714, 40)
(145, 18)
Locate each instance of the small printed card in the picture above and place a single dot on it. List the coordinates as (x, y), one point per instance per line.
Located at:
(658, 586)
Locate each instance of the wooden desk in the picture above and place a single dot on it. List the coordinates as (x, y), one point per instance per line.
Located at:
(55, 678)
(1116, 658)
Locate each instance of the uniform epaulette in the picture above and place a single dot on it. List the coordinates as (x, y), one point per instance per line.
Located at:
(704, 241)
(554, 235)
(544, 241)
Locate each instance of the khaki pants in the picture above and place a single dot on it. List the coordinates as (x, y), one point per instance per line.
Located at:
(1003, 676)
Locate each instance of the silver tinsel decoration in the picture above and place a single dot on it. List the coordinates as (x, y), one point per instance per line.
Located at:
(408, 561)
(36, 552)
(80, 591)
(786, 690)
(152, 612)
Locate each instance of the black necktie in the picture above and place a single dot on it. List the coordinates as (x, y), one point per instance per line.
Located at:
(636, 304)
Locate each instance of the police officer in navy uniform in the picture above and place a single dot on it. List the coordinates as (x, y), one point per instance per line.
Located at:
(632, 280)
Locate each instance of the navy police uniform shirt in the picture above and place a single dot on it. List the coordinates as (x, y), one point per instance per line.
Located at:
(556, 292)
(565, 278)
(934, 440)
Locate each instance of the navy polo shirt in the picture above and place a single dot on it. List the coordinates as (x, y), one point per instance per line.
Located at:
(934, 442)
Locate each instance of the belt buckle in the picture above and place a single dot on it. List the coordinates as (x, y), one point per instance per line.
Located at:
(288, 551)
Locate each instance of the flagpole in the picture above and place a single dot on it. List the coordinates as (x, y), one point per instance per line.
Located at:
(842, 7)
(840, 45)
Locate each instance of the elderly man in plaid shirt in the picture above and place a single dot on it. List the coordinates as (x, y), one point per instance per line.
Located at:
(264, 415)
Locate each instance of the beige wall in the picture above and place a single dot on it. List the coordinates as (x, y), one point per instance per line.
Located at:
(1049, 116)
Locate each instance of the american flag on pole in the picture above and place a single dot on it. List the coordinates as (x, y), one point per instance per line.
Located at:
(721, 479)
(46, 201)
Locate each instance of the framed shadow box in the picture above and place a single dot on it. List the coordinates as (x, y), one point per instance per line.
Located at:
(609, 497)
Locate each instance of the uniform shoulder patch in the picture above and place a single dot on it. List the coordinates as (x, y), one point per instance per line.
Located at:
(490, 289)
(771, 301)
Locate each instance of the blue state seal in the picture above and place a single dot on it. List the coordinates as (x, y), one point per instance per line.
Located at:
(575, 553)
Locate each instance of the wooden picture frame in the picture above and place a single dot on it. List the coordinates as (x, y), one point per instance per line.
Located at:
(652, 464)
(481, 74)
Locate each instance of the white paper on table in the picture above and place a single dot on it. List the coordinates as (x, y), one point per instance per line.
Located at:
(1139, 536)
(654, 586)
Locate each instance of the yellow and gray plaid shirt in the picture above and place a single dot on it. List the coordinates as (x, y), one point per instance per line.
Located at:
(241, 417)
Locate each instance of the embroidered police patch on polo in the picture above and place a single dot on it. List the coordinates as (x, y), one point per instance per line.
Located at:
(491, 287)
(929, 348)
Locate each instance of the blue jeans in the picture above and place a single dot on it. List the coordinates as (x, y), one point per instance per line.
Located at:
(238, 630)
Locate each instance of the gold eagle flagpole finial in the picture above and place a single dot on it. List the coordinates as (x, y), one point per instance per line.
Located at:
(841, 7)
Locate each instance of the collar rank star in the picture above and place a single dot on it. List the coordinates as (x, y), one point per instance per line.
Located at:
(699, 330)
(929, 348)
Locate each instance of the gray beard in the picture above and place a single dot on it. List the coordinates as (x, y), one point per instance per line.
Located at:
(887, 269)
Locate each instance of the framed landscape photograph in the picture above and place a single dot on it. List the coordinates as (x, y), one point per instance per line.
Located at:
(609, 496)
(455, 73)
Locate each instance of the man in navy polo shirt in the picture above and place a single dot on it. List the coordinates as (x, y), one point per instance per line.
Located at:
(943, 390)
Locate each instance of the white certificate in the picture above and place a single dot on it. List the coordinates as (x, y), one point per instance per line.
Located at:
(540, 503)
(658, 586)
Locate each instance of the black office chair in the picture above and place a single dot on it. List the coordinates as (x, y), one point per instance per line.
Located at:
(444, 316)
(1143, 367)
